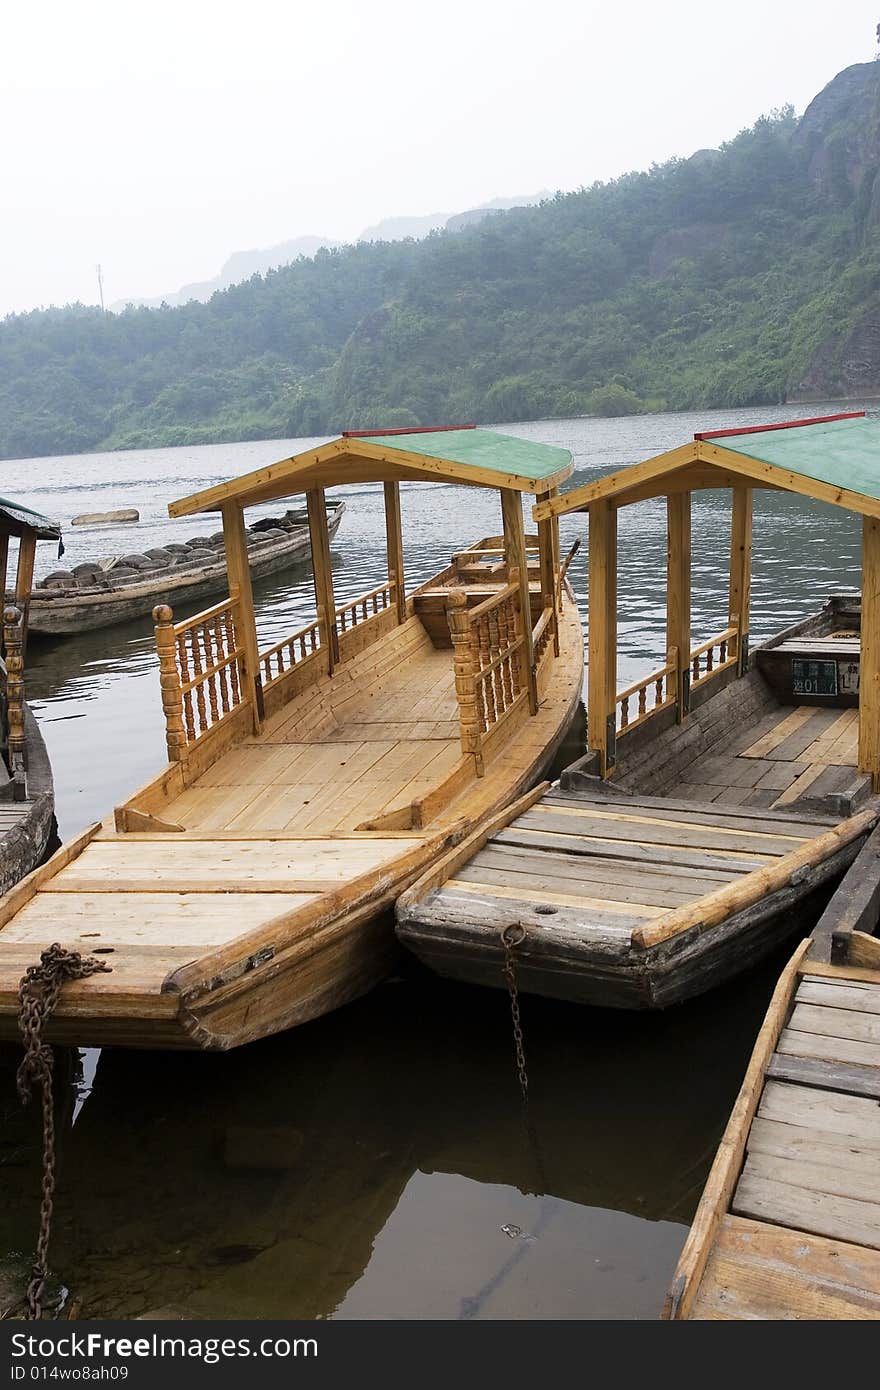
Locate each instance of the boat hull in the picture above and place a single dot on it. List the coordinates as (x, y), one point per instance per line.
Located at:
(66, 614)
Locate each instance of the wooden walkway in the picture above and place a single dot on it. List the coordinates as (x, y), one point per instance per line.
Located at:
(789, 1223)
(795, 753)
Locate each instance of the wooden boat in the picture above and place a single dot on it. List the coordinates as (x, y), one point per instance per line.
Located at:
(242, 891)
(720, 795)
(788, 1226)
(128, 586)
(27, 799)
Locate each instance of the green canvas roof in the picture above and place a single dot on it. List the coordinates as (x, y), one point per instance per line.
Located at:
(14, 518)
(484, 449)
(482, 458)
(842, 453)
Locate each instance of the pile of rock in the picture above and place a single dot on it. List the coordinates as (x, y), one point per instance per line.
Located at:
(198, 553)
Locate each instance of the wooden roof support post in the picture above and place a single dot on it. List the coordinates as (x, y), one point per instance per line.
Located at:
(24, 581)
(869, 675)
(240, 591)
(325, 599)
(741, 572)
(394, 541)
(517, 561)
(602, 671)
(548, 551)
(678, 593)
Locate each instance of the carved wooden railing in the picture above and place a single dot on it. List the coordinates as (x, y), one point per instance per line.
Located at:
(542, 636)
(201, 672)
(289, 652)
(652, 694)
(703, 660)
(491, 680)
(368, 605)
(12, 703)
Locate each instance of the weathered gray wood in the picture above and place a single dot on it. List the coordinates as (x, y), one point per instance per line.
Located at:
(813, 1145)
(817, 1177)
(691, 836)
(836, 1023)
(600, 869)
(623, 852)
(784, 1204)
(826, 1076)
(665, 808)
(855, 1116)
(836, 983)
(829, 1049)
(791, 748)
(530, 885)
(856, 904)
(843, 994)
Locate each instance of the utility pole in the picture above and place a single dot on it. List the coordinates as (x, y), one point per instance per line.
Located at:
(100, 286)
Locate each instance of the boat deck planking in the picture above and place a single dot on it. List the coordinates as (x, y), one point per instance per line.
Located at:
(277, 854)
(789, 1224)
(802, 752)
(626, 900)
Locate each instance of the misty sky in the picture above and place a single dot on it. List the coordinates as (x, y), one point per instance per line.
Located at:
(158, 139)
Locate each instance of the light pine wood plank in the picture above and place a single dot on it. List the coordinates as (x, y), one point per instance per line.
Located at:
(762, 1272)
(836, 1022)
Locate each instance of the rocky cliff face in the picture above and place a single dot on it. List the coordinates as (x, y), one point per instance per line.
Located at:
(840, 135)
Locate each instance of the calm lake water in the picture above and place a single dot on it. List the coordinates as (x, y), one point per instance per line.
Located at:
(373, 1164)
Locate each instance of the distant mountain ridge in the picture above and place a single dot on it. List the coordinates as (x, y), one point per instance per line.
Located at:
(241, 265)
(740, 276)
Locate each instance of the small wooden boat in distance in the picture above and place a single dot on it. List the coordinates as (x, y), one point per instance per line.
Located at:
(129, 586)
(720, 796)
(27, 797)
(247, 888)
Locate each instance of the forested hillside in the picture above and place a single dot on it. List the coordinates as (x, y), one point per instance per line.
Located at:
(744, 275)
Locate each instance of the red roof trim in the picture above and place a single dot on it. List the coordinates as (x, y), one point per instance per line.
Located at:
(785, 425)
(415, 429)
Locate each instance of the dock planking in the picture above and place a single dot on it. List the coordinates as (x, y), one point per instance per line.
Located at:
(789, 1223)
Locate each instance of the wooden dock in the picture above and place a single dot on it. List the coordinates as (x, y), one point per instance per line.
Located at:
(789, 1223)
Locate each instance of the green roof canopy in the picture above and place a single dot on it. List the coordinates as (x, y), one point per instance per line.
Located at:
(844, 453)
(482, 458)
(835, 459)
(16, 519)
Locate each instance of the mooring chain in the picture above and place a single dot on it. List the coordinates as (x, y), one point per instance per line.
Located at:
(37, 996)
(511, 937)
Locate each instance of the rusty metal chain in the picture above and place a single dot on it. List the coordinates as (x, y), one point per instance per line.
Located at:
(512, 936)
(37, 996)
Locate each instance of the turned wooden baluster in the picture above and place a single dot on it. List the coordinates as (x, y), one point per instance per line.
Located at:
(643, 697)
(696, 675)
(221, 655)
(200, 688)
(183, 662)
(231, 642)
(169, 682)
(212, 680)
(494, 653)
(624, 712)
(12, 641)
(487, 690)
(466, 664)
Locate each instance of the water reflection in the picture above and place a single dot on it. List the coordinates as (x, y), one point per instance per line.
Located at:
(374, 1163)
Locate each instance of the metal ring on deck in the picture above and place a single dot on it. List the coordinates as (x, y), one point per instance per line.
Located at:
(509, 939)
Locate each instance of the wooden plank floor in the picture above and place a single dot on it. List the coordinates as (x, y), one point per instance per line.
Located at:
(802, 1236)
(624, 862)
(796, 752)
(384, 738)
